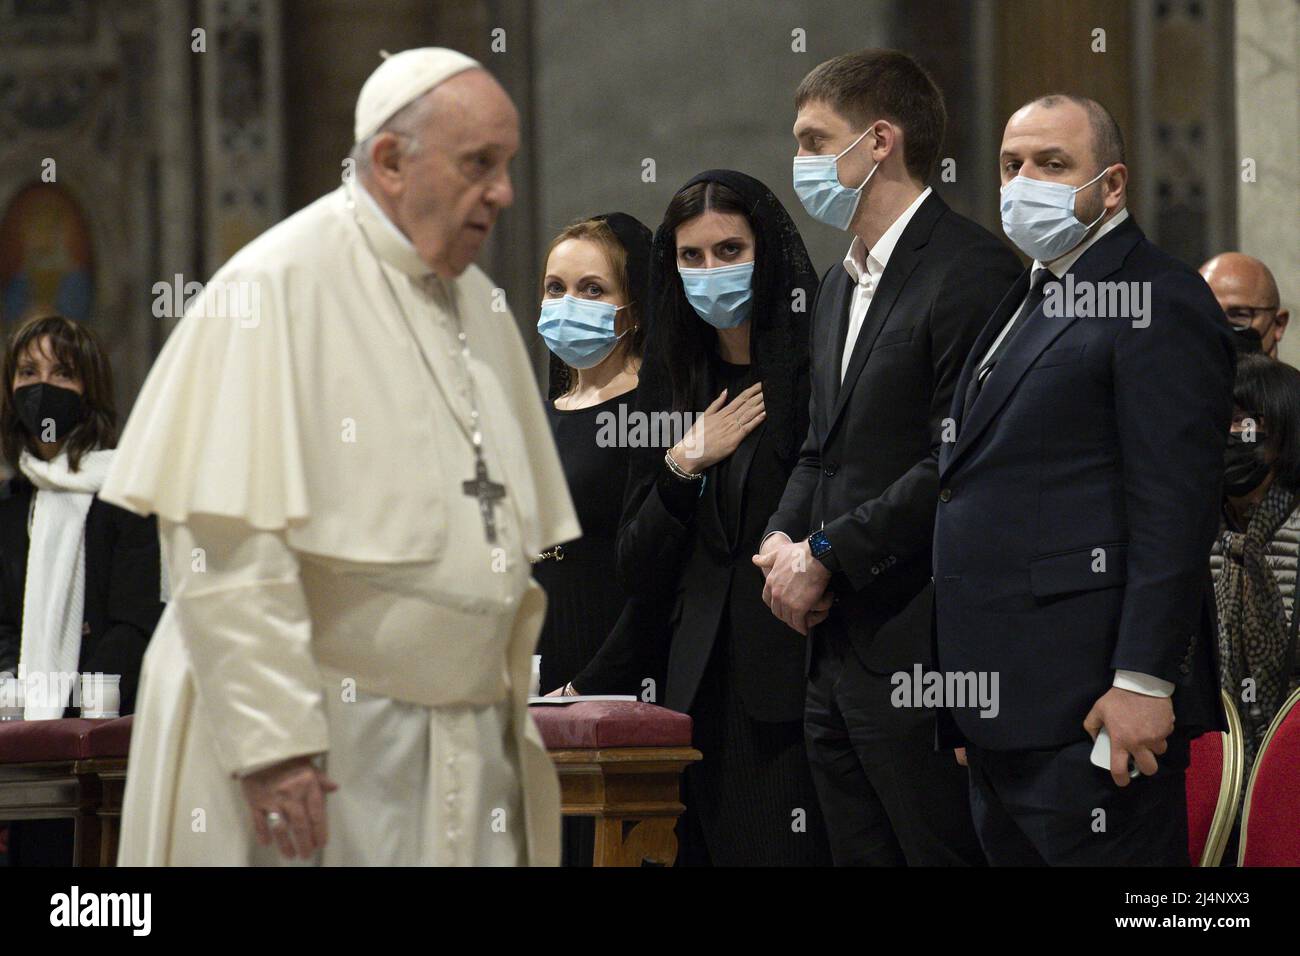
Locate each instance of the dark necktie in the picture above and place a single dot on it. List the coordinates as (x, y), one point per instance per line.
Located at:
(1032, 301)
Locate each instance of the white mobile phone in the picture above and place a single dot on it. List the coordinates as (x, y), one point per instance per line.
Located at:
(1101, 753)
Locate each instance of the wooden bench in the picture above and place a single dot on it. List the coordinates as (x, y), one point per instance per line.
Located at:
(618, 761)
(67, 769)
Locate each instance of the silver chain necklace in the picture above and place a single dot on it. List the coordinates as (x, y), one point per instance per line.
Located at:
(488, 492)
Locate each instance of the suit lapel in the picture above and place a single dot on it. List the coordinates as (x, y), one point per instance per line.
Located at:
(902, 261)
(1038, 332)
(840, 297)
(1010, 302)
(741, 459)
(709, 512)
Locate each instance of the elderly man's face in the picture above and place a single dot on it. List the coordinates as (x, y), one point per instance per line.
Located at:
(448, 193)
(1248, 296)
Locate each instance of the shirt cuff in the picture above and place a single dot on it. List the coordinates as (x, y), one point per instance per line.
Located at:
(769, 534)
(1143, 684)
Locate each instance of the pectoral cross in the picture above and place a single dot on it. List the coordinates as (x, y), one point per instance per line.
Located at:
(487, 492)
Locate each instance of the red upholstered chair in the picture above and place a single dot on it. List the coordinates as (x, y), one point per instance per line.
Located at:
(1214, 780)
(1270, 819)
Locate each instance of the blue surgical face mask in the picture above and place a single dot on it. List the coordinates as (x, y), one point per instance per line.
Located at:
(1038, 216)
(817, 184)
(721, 296)
(579, 331)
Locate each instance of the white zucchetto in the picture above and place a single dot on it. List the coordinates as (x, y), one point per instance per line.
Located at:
(403, 78)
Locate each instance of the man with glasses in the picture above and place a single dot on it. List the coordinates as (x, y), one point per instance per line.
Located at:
(1248, 296)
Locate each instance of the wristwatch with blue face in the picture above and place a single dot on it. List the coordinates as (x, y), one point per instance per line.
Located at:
(819, 545)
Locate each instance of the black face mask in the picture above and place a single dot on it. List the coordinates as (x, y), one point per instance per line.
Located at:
(38, 405)
(1244, 468)
(1245, 339)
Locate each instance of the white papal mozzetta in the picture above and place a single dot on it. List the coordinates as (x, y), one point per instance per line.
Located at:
(333, 588)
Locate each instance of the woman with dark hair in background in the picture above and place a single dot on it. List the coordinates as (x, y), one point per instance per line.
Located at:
(731, 288)
(1255, 556)
(79, 578)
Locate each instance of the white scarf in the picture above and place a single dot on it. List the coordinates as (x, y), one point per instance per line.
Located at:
(55, 594)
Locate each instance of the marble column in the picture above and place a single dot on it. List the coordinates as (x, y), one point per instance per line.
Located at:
(1268, 129)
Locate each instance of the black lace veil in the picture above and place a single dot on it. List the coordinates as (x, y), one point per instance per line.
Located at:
(785, 284)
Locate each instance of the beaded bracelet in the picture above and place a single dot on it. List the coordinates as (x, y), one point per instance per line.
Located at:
(677, 469)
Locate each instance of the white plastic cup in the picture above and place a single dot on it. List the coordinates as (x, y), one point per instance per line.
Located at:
(13, 697)
(101, 696)
(535, 681)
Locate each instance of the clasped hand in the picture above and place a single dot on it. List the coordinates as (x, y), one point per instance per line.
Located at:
(795, 582)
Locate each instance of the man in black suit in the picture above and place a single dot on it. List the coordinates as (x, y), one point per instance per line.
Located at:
(892, 326)
(1076, 511)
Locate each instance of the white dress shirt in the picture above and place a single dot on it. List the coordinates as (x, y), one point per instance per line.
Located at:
(865, 268)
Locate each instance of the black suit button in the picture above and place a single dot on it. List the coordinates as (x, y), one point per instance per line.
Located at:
(829, 471)
(945, 494)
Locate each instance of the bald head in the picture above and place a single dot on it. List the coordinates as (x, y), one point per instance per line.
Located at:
(1241, 276)
(1107, 140)
(1247, 293)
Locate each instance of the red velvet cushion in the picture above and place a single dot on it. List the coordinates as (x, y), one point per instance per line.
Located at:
(109, 738)
(611, 723)
(74, 738)
(1204, 776)
(1273, 835)
(29, 741)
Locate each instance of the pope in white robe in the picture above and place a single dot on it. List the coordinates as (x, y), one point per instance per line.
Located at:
(341, 674)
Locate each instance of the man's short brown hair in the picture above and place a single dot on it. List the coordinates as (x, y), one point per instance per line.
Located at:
(1107, 140)
(883, 84)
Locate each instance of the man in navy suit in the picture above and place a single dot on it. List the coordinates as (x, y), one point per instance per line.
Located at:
(1077, 505)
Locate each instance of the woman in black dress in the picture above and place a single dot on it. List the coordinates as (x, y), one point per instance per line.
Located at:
(593, 321)
(732, 290)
